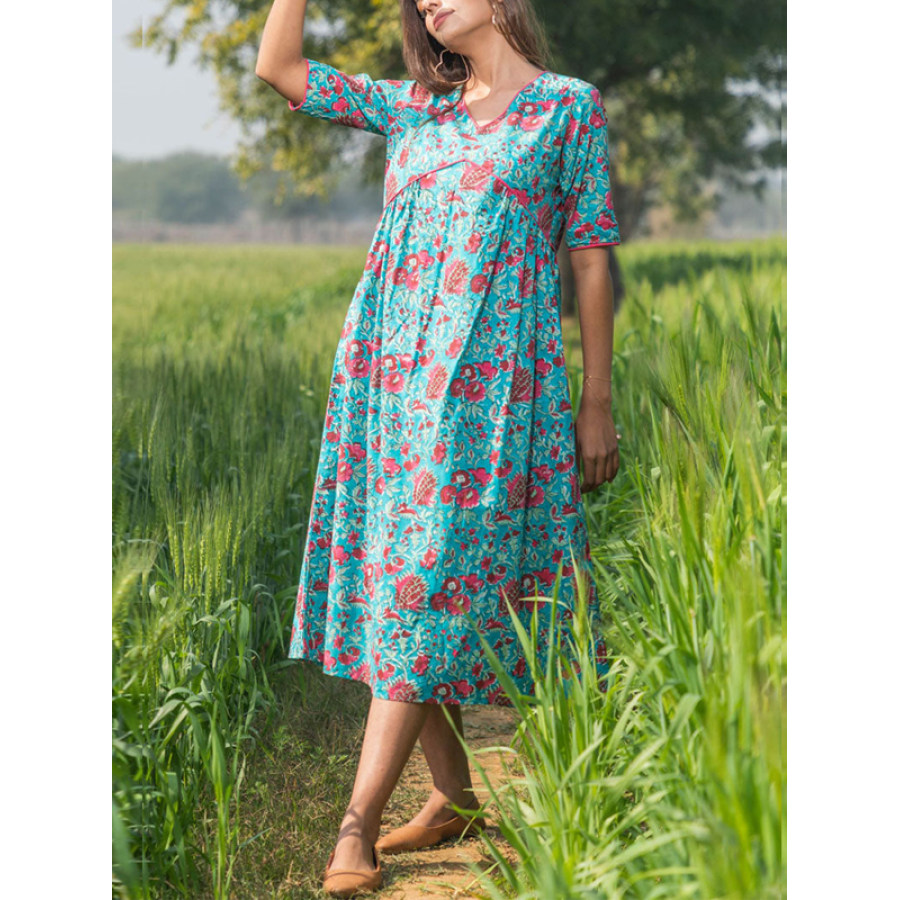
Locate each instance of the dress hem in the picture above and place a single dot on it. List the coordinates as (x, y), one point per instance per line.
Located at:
(477, 700)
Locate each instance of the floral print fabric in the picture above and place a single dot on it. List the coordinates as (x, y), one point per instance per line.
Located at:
(447, 481)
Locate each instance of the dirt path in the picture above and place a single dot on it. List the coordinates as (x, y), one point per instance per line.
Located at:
(443, 871)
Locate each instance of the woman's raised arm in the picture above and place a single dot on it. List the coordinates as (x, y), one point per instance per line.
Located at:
(280, 61)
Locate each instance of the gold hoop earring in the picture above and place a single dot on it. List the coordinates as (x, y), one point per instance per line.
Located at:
(451, 80)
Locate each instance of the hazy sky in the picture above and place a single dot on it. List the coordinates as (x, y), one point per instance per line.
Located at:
(158, 109)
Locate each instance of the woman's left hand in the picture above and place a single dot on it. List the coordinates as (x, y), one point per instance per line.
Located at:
(596, 446)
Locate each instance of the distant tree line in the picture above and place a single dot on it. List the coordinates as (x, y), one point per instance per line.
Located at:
(198, 188)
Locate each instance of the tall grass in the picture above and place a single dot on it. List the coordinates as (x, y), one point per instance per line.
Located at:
(219, 395)
(672, 782)
(669, 784)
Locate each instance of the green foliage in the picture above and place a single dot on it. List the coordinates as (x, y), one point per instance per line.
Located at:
(683, 85)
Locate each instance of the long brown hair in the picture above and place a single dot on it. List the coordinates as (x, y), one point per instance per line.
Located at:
(516, 21)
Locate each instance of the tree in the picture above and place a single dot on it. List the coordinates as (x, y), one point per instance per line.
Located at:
(683, 81)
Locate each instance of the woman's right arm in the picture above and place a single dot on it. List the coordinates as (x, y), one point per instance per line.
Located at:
(280, 61)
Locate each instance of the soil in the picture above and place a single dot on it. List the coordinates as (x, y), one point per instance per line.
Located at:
(444, 871)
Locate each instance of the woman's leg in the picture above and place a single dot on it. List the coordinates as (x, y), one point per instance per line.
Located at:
(449, 767)
(391, 731)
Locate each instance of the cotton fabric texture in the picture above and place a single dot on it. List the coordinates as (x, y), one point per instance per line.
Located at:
(447, 480)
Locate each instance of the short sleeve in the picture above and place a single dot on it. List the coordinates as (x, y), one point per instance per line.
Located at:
(353, 100)
(590, 220)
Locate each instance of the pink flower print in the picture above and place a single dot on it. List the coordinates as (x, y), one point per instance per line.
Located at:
(437, 382)
(395, 566)
(390, 187)
(357, 368)
(385, 672)
(474, 242)
(511, 591)
(424, 259)
(429, 558)
(474, 391)
(544, 472)
(481, 475)
(344, 471)
(474, 176)
(394, 382)
(439, 453)
(350, 657)
(454, 348)
(530, 123)
(455, 280)
(598, 112)
(499, 697)
(472, 583)
(526, 281)
(605, 222)
(460, 478)
(412, 462)
(403, 691)
(478, 284)
(522, 386)
(488, 680)
(420, 666)
(535, 495)
(457, 386)
(463, 688)
(467, 497)
(412, 279)
(403, 157)
(410, 592)
(361, 673)
(445, 115)
(515, 492)
(452, 584)
(380, 484)
(356, 450)
(442, 690)
(542, 367)
(390, 465)
(424, 485)
(448, 492)
(339, 554)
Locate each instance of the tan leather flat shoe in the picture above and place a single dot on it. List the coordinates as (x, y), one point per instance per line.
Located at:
(350, 882)
(415, 837)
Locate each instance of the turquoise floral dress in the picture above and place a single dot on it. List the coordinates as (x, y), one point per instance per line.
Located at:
(447, 481)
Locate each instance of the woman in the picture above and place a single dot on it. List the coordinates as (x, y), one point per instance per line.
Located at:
(447, 491)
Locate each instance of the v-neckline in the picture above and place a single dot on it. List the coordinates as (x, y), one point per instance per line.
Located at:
(482, 126)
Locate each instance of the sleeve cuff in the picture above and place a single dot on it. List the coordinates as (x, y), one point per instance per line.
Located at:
(595, 244)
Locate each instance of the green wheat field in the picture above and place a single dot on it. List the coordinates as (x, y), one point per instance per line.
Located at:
(232, 766)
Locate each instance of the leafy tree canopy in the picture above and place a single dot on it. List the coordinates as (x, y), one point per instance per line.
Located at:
(684, 82)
